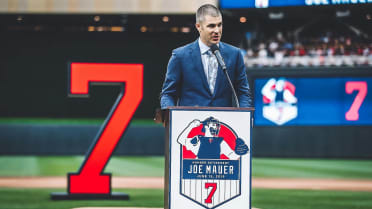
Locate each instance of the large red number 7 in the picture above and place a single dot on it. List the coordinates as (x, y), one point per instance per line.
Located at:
(353, 113)
(90, 179)
(214, 188)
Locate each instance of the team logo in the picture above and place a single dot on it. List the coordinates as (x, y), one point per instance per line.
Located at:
(211, 154)
(280, 103)
(262, 3)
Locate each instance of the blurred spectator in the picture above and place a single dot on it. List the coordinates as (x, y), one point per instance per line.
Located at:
(324, 50)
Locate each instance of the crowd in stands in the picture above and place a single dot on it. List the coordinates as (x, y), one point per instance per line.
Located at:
(326, 50)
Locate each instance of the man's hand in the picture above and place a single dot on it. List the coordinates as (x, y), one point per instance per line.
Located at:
(240, 147)
(194, 141)
(195, 123)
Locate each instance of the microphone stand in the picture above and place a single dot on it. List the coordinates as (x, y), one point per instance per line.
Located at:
(231, 85)
(222, 64)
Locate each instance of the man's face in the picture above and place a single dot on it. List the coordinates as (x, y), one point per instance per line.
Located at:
(213, 128)
(210, 30)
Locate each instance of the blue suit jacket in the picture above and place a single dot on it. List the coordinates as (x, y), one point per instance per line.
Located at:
(186, 83)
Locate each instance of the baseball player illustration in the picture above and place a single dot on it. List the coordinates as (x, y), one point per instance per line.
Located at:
(280, 102)
(208, 144)
(262, 3)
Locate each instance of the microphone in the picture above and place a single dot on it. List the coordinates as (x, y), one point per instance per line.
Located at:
(216, 51)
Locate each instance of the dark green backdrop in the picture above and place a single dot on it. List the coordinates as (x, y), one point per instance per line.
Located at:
(33, 83)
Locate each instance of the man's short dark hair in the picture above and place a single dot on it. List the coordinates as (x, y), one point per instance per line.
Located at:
(210, 120)
(207, 9)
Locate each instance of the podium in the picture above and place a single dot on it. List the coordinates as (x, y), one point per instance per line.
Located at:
(208, 157)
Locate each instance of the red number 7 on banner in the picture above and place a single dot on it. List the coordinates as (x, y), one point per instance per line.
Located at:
(90, 179)
(350, 86)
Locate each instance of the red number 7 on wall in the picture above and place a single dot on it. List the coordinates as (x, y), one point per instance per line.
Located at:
(350, 86)
(90, 179)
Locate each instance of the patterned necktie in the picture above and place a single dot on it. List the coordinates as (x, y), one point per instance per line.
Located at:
(212, 70)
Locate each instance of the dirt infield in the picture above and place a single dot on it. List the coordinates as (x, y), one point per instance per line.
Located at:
(121, 208)
(158, 183)
(114, 208)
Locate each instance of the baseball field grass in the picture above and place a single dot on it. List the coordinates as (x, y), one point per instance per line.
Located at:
(153, 166)
(40, 199)
(261, 198)
(129, 166)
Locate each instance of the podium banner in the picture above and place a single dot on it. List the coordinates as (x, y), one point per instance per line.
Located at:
(209, 158)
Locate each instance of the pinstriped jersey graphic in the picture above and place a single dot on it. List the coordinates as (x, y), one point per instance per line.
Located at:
(210, 162)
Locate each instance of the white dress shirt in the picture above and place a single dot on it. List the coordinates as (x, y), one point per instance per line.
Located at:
(204, 56)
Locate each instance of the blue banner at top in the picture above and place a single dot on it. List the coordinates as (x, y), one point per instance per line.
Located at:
(313, 101)
(211, 169)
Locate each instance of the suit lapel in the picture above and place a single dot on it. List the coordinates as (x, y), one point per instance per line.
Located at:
(198, 64)
(220, 74)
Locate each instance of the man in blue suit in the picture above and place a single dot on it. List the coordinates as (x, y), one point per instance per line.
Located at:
(193, 76)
